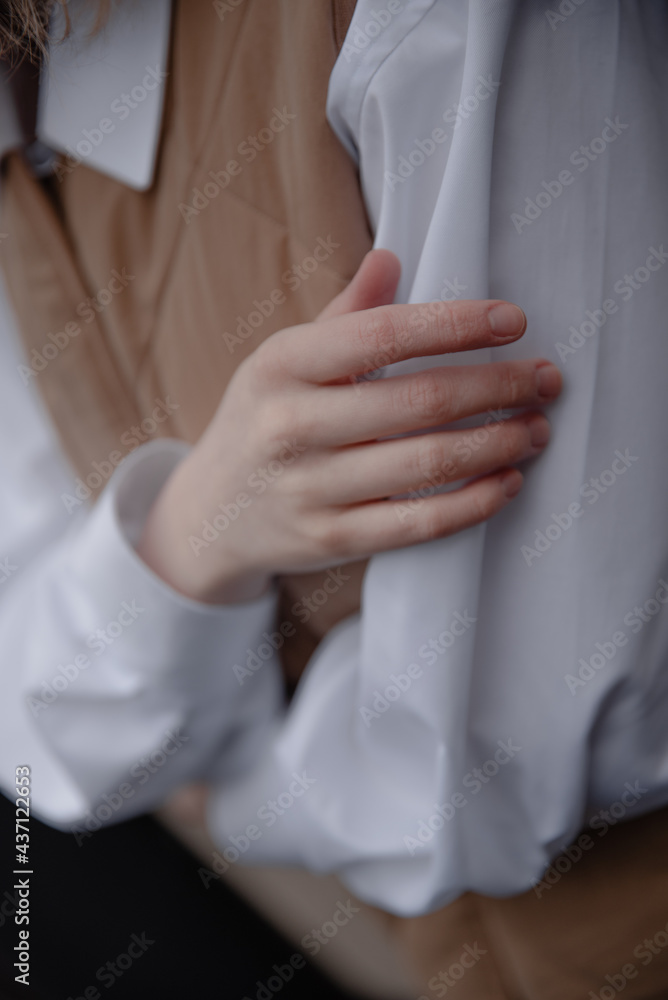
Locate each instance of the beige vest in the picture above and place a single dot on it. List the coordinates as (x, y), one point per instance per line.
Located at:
(203, 274)
(217, 240)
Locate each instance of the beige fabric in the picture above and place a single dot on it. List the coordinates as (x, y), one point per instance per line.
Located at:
(163, 332)
(183, 286)
(162, 335)
(599, 917)
(342, 12)
(598, 923)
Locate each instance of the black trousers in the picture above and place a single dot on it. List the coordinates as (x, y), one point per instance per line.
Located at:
(126, 915)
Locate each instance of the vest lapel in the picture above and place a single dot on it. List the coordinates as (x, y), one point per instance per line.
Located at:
(200, 253)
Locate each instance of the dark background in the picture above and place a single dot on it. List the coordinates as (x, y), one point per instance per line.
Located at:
(86, 902)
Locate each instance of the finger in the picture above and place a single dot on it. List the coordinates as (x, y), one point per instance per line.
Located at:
(387, 468)
(360, 342)
(349, 414)
(380, 526)
(375, 284)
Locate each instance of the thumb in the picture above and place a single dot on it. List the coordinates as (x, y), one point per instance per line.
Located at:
(375, 284)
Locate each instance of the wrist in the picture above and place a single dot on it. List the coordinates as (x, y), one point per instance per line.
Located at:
(168, 546)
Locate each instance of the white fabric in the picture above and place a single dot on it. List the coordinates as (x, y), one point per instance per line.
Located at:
(67, 571)
(83, 708)
(339, 788)
(396, 803)
(102, 93)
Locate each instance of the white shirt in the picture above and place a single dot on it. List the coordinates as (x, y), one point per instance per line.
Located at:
(513, 648)
(85, 710)
(500, 688)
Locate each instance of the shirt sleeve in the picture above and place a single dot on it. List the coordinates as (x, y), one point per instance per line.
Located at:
(116, 688)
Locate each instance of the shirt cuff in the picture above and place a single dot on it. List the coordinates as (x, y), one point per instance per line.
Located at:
(105, 557)
(158, 660)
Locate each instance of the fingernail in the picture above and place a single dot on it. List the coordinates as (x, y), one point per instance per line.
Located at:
(548, 379)
(512, 482)
(539, 431)
(506, 320)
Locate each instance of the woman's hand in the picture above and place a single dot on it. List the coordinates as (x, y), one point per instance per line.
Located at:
(290, 474)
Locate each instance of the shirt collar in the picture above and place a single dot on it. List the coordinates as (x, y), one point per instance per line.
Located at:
(102, 94)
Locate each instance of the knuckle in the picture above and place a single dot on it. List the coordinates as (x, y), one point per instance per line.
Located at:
(263, 362)
(302, 484)
(514, 383)
(511, 444)
(327, 535)
(482, 504)
(377, 335)
(418, 321)
(460, 323)
(272, 360)
(276, 419)
(430, 525)
(426, 396)
(428, 459)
